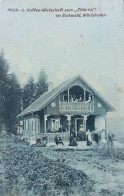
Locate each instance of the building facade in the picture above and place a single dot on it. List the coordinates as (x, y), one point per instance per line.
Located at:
(63, 109)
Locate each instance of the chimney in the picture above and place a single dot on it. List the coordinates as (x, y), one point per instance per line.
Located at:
(50, 86)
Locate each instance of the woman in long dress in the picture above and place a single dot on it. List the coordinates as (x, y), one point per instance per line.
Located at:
(89, 138)
(81, 133)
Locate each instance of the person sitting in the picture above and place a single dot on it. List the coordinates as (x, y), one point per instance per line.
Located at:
(60, 129)
(58, 140)
(80, 98)
(38, 141)
(72, 99)
(44, 141)
(73, 141)
(89, 99)
(76, 100)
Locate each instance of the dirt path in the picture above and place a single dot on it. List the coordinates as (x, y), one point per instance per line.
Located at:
(108, 173)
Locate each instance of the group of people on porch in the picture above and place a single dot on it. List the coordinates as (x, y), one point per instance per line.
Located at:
(89, 136)
(82, 136)
(80, 98)
(73, 138)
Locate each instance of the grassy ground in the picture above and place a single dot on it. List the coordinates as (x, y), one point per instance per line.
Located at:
(28, 171)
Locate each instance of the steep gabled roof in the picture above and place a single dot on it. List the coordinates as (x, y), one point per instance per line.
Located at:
(48, 96)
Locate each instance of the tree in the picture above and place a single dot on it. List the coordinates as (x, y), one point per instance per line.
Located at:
(10, 97)
(4, 69)
(12, 103)
(29, 92)
(42, 84)
(32, 90)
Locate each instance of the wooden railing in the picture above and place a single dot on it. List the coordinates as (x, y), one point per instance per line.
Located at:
(76, 107)
(27, 135)
(64, 136)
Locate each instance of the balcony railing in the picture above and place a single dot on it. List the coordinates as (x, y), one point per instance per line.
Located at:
(76, 107)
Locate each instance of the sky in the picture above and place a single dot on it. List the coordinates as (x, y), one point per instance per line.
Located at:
(66, 46)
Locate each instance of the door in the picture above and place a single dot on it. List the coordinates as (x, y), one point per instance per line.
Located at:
(78, 122)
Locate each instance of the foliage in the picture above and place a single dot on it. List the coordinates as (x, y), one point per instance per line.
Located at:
(33, 90)
(10, 97)
(4, 69)
(42, 84)
(29, 92)
(111, 152)
(12, 103)
(28, 170)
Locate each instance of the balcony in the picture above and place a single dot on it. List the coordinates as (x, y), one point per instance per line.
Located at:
(76, 107)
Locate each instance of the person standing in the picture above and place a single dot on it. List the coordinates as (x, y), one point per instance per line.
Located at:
(110, 138)
(73, 141)
(89, 138)
(96, 136)
(81, 133)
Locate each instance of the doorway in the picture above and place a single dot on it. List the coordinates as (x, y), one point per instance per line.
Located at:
(78, 122)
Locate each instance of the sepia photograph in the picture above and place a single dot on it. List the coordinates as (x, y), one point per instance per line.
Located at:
(61, 98)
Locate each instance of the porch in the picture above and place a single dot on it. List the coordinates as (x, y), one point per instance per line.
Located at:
(63, 125)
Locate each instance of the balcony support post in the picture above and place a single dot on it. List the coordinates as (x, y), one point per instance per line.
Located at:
(68, 95)
(84, 95)
(69, 122)
(85, 120)
(38, 125)
(45, 120)
(93, 101)
(106, 131)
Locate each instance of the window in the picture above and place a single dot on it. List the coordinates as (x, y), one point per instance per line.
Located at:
(32, 125)
(55, 124)
(26, 125)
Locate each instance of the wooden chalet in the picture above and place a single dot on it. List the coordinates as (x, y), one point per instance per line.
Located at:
(63, 109)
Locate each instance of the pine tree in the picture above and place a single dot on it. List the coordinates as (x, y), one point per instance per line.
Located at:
(4, 69)
(29, 92)
(42, 84)
(12, 103)
(32, 90)
(10, 97)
